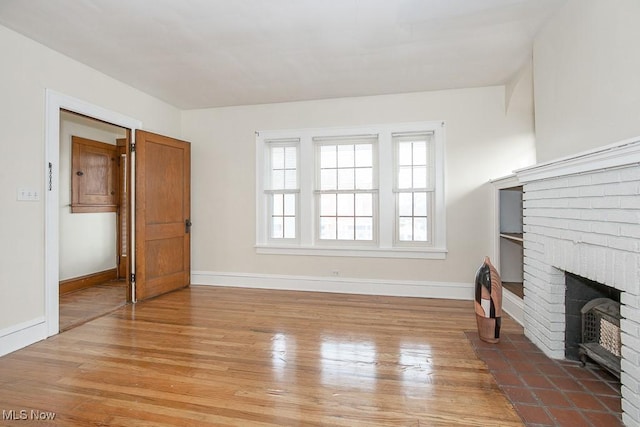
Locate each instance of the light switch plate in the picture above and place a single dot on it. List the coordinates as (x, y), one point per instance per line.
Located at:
(28, 195)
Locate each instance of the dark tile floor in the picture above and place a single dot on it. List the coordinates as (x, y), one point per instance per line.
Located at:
(547, 392)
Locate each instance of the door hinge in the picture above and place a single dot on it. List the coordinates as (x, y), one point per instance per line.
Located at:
(132, 278)
(132, 147)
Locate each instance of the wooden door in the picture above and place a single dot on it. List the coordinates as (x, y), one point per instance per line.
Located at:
(162, 206)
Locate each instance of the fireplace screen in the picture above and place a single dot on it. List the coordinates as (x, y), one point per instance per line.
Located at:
(601, 334)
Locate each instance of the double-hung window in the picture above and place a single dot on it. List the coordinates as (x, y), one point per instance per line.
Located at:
(364, 191)
(345, 188)
(413, 187)
(283, 190)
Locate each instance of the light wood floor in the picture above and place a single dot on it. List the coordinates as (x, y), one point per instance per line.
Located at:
(223, 356)
(80, 306)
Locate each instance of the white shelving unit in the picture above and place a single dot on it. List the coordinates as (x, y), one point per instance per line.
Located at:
(509, 244)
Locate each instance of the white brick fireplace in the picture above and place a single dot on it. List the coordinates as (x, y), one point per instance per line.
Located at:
(582, 216)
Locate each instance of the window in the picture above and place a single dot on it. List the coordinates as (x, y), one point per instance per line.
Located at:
(345, 189)
(283, 189)
(367, 191)
(413, 187)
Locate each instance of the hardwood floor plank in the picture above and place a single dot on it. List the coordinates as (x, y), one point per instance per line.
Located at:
(243, 357)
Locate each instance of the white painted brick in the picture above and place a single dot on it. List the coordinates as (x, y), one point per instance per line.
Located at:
(630, 202)
(627, 216)
(594, 239)
(630, 174)
(630, 230)
(610, 228)
(631, 328)
(579, 180)
(578, 202)
(591, 191)
(630, 299)
(593, 215)
(622, 189)
(605, 202)
(632, 371)
(546, 203)
(546, 184)
(630, 383)
(630, 411)
(605, 177)
(578, 225)
(623, 244)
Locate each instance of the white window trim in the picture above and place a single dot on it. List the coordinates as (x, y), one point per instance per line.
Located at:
(386, 246)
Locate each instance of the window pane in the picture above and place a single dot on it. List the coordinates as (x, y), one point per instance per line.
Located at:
(364, 204)
(405, 204)
(346, 156)
(420, 153)
(405, 229)
(346, 179)
(328, 156)
(277, 157)
(328, 205)
(328, 179)
(276, 227)
(364, 155)
(345, 204)
(345, 229)
(327, 228)
(277, 204)
(290, 228)
(420, 229)
(290, 204)
(364, 228)
(277, 179)
(290, 179)
(420, 204)
(404, 177)
(364, 179)
(420, 177)
(404, 153)
(290, 159)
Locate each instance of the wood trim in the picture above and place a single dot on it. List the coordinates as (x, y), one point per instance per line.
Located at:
(93, 279)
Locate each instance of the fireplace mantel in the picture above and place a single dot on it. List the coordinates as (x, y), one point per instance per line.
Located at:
(622, 153)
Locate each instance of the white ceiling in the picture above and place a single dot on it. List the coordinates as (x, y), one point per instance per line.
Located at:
(209, 53)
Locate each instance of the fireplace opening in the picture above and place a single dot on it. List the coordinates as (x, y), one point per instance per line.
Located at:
(578, 292)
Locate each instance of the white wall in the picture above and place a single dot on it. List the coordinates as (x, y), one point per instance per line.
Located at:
(482, 142)
(29, 68)
(87, 240)
(587, 85)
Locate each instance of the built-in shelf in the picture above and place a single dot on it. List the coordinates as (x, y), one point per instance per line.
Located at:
(509, 249)
(516, 237)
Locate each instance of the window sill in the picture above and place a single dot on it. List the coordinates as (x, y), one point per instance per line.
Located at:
(410, 253)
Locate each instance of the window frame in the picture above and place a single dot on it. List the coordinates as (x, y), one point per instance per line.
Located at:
(318, 191)
(385, 244)
(430, 189)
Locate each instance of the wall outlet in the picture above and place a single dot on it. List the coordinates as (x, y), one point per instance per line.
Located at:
(335, 273)
(28, 195)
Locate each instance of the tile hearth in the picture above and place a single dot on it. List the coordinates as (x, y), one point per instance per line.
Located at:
(548, 392)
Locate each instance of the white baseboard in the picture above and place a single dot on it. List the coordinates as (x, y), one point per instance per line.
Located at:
(423, 289)
(513, 305)
(21, 335)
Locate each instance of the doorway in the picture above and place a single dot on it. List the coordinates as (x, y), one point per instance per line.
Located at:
(159, 225)
(56, 104)
(92, 230)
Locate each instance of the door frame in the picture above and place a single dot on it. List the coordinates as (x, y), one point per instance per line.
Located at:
(55, 102)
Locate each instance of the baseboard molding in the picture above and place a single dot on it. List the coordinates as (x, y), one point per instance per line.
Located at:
(422, 289)
(21, 335)
(513, 305)
(93, 279)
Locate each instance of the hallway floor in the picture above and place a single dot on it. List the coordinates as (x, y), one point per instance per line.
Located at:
(81, 306)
